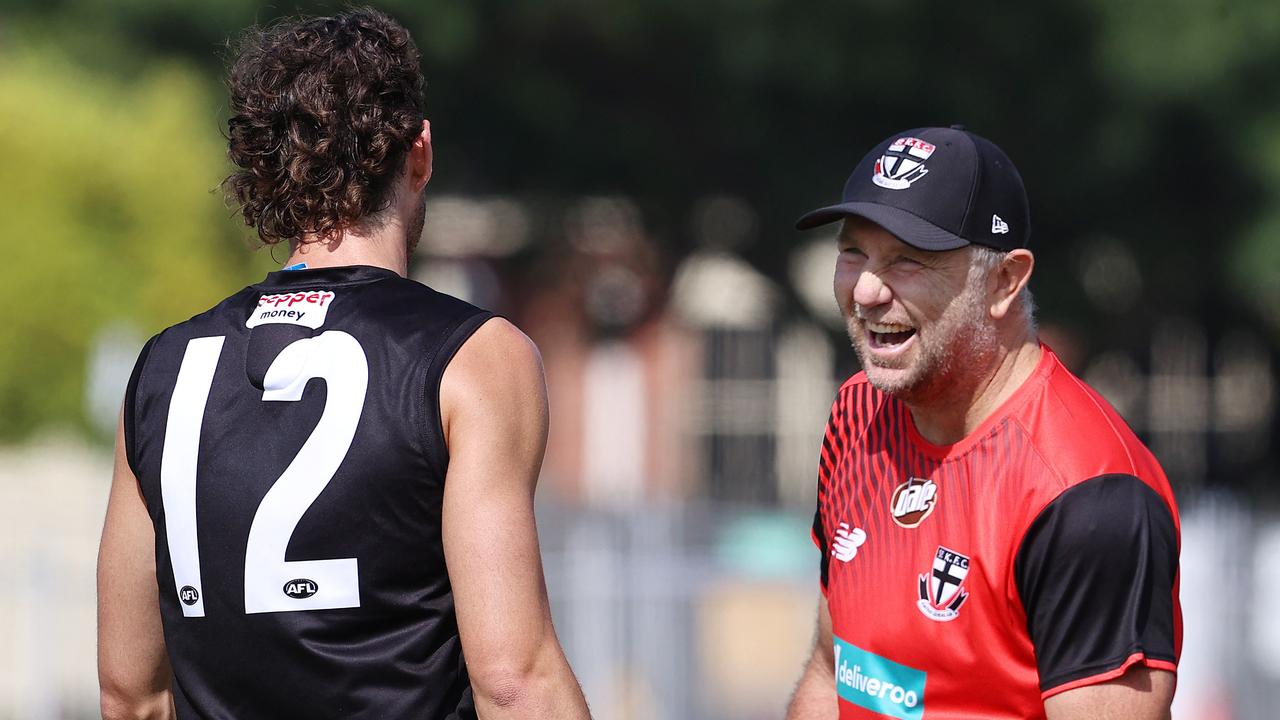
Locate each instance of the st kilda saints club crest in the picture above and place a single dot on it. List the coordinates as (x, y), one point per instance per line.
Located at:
(913, 501)
(902, 163)
(942, 588)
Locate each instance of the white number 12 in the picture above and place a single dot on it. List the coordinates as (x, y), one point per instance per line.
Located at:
(338, 359)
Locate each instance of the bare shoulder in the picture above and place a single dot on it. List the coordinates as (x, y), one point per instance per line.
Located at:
(498, 369)
(496, 348)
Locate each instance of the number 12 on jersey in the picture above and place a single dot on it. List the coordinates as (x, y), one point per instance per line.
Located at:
(271, 584)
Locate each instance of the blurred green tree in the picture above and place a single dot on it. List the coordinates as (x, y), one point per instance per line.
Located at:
(1153, 124)
(111, 213)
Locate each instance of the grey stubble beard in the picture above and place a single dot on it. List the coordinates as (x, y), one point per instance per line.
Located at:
(962, 341)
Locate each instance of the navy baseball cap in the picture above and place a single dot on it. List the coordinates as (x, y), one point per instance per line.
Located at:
(936, 189)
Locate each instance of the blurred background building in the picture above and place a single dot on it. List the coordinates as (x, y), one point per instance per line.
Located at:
(620, 179)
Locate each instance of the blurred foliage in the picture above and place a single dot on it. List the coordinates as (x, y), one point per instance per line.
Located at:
(1208, 68)
(109, 215)
(1153, 123)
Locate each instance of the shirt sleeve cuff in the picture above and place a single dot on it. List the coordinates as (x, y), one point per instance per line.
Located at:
(1136, 658)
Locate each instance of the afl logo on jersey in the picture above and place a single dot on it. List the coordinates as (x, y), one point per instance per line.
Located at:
(301, 588)
(902, 163)
(189, 595)
(913, 501)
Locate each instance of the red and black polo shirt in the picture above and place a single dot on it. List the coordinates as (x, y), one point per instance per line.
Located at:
(1037, 555)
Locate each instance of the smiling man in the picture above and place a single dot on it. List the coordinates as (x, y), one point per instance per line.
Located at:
(996, 542)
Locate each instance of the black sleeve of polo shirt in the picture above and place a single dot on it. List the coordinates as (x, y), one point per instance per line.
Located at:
(1096, 573)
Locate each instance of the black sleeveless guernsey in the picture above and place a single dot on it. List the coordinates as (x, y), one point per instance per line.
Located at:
(288, 445)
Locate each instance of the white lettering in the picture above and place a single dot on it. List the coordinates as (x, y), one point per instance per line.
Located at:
(312, 309)
(915, 498)
(904, 503)
(852, 677)
(291, 314)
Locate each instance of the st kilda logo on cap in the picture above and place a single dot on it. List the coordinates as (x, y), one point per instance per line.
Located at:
(913, 501)
(902, 163)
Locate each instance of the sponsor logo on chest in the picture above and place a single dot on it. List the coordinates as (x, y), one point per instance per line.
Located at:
(913, 501)
(308, 308)
(878, 684)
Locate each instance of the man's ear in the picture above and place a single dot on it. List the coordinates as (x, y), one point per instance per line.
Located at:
(1010, 276)
(420, 157)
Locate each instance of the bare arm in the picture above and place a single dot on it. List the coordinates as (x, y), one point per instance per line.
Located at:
(815, 697)
(494, 404)
(1140, 694)
(133, 667)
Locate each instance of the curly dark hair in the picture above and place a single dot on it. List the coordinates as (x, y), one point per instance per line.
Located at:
(323, 112)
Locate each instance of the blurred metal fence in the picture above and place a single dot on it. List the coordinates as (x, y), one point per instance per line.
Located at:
(52, 499)
(677, 612)
(702, 606)
(669, 613)
(651, 603)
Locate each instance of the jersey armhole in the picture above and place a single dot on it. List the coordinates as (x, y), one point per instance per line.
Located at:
(822, 549)
(129, 407)
(433, 422)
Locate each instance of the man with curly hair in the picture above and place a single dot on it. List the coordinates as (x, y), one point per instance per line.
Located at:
(323, 494)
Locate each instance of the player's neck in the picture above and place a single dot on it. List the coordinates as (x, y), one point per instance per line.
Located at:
(954, 416)
(384, 248)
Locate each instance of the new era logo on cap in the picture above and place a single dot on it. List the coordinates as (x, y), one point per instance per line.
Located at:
(936, 189)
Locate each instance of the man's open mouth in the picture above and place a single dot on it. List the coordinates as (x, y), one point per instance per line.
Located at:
(888, 336)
